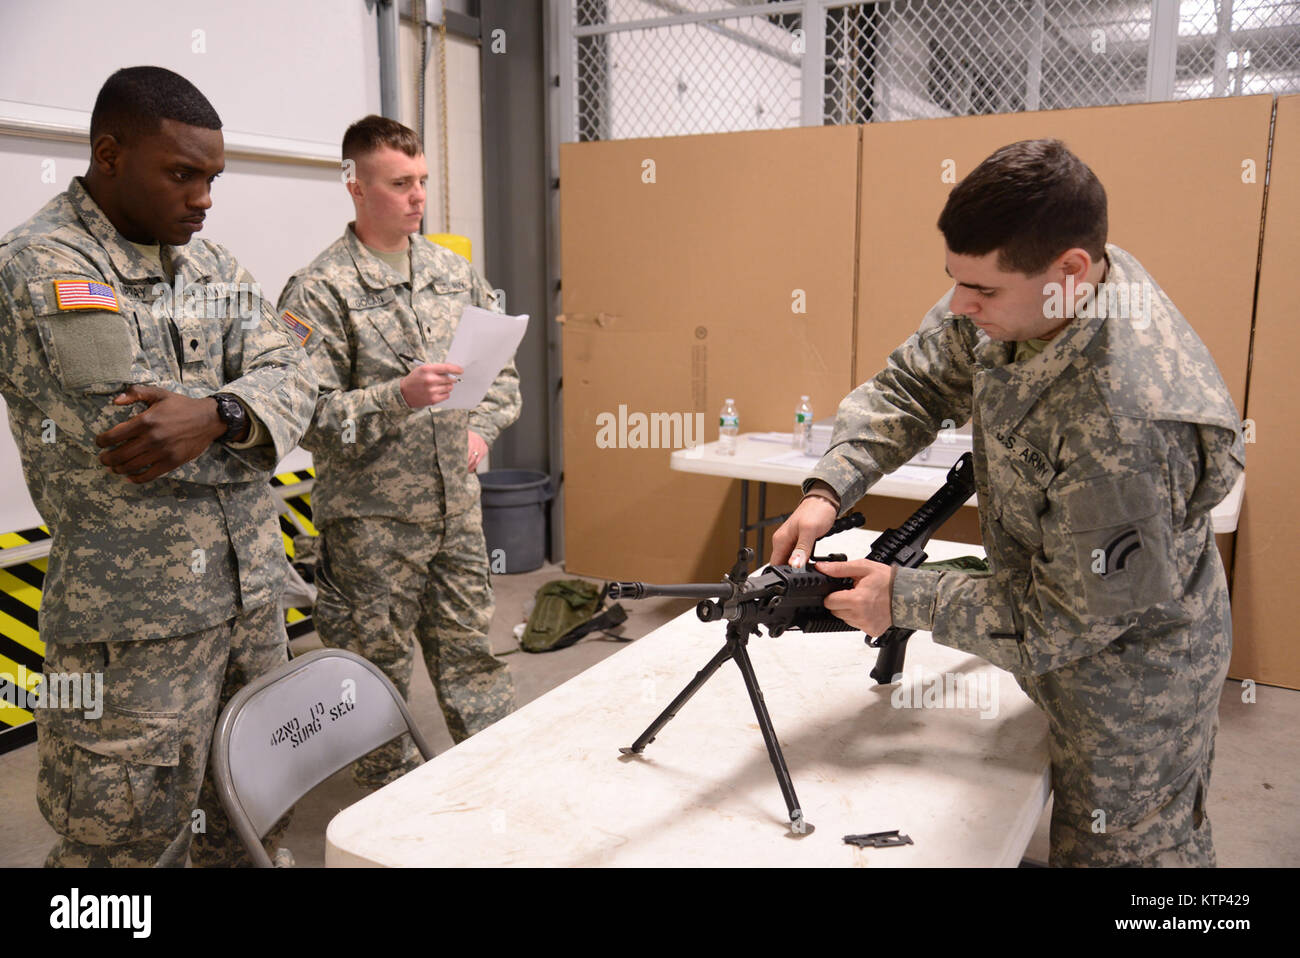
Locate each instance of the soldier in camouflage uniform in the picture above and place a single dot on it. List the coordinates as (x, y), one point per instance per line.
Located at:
(403, 559)
(165, 564)
(1101, 443)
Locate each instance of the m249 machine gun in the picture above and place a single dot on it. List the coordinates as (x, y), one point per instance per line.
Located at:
(780, 598)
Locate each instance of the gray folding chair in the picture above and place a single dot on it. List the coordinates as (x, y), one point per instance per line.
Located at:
(287, 731)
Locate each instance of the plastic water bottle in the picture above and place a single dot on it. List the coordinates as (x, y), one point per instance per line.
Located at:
(803, 423)
(728, 428)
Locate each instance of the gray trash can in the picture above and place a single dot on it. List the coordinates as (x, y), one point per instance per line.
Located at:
(514, 518)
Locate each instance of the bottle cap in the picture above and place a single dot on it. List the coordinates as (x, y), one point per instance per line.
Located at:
(728, 400)
(804, 398)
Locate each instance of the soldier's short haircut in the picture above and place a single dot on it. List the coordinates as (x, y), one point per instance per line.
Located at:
(372, 132)
(134, 101)
(1031, 201)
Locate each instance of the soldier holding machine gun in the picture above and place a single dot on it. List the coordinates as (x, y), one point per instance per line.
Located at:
(1100, 446)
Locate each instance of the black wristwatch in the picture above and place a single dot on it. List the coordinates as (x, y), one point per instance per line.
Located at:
(232, 413)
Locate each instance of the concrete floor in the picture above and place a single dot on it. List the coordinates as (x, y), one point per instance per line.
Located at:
(1254, 802)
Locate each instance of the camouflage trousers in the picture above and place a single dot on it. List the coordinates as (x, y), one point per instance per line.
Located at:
(1132, 744)
(385, 587)
(133, 786)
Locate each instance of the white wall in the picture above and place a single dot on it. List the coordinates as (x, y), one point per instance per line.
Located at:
(290, 71)
(464, 133)
(465, 150)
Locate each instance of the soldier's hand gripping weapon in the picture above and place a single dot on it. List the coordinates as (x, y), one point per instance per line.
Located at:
(781, 598)
(904, 547)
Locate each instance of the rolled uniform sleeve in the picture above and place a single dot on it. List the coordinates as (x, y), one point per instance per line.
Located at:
(257, 433)
(348, 423)
(924, 387)
(502, 403)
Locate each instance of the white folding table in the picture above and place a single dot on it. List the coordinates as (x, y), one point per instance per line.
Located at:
(955, 756)
(750, 463)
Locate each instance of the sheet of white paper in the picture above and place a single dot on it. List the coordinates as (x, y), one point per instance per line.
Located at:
(922, 475)
(483, 344)
(792, 458)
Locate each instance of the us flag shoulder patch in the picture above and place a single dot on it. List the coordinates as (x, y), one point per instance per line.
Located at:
(297, 327)
(85, 294)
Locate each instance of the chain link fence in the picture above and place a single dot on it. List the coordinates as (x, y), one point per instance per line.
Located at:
(912, 59)
(665, 67)
(1236, 48)
(707, 76)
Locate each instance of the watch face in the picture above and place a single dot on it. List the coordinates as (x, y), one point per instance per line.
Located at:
(232, 414)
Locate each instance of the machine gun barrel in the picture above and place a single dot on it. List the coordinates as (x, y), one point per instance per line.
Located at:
(689, 590)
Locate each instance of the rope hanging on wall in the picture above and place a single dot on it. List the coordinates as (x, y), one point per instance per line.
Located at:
(442, 122)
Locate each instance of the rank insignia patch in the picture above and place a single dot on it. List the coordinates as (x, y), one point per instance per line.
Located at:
(297, 327)
(85, 294)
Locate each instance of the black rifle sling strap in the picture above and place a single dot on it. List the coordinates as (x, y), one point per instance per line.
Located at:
(611, 618)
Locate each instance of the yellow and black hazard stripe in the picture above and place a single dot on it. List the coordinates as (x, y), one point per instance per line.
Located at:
(297, 623)
(297, 521)
(21, 649)
(282, 479)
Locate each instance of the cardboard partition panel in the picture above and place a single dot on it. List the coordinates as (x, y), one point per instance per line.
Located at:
(1267, 560)
(1184, 181)
(696, 269)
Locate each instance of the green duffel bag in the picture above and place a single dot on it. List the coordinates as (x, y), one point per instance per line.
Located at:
(565, 610)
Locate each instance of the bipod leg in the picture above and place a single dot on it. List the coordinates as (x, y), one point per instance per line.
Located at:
(702, 676)
(798, 825)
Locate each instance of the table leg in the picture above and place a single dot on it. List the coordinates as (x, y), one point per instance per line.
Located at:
(744, 513)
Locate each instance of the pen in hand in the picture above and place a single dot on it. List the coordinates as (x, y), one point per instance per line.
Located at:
(416, 363)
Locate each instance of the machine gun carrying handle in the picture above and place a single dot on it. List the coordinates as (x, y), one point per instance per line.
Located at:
(854, 520)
